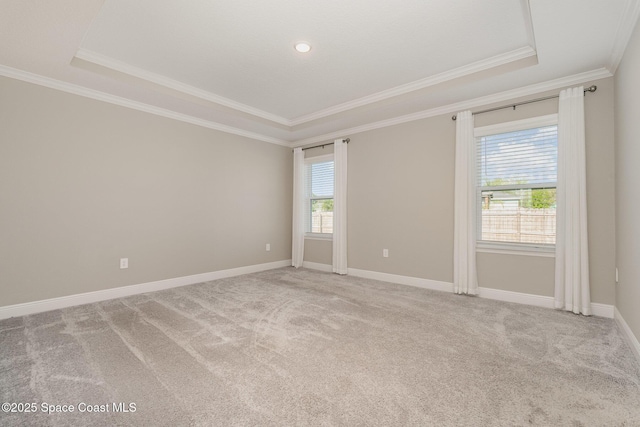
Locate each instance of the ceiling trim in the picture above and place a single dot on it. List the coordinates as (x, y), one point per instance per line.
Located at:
(475, 67)
(446, 109)
(482, 65)
(623, 34)
(597, 74)
(528, 23)
(128, 103)
(123, 67)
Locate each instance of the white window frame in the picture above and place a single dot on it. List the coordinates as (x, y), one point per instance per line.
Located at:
(506, 247)
(308, 161)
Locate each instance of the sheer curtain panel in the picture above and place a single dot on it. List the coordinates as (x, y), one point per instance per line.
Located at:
(340, 207)
(465, 279)
(572, 254)
(297, 244)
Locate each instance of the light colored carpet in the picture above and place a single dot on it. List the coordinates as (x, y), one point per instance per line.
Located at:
(299, 347)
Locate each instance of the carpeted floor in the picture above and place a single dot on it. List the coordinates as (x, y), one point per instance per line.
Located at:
(300, 347)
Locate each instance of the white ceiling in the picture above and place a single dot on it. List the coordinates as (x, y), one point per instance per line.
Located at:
(230, 64)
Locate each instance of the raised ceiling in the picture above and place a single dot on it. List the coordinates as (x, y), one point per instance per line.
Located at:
(231, 65)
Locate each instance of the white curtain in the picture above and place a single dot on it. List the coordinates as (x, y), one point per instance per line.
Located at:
(297, 243)
(572, 255)
(340, 207)
(465, 279)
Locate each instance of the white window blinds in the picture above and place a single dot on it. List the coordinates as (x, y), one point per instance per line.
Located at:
(528, 157)
(319, 186)
(517, 175)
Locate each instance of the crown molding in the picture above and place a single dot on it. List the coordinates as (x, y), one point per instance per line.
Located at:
(128, 103)
(446, 109)
(475, 67)
(528, 22)
(597, 74)
(623, 33)
(482, 65)
(122, 67)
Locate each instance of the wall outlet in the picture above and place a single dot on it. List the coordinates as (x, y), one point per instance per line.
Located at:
(124, 263)
(268, 247)
(385, 253)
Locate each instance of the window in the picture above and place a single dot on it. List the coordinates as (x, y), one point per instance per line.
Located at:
(319, 178)
(517, 168)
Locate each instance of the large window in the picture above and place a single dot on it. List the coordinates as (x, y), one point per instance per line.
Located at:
(319, 178)
(517, 167)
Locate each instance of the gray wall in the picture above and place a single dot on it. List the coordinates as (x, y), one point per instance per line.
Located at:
(84, 183)
(400, 196)
(527, 275)
(627, 181)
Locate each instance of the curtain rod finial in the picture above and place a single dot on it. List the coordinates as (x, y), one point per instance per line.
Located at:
(454, 117)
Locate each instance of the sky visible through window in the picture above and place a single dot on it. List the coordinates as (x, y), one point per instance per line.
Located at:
(521, 157)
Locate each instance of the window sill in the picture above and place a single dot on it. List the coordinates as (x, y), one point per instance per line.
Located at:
(515, 249)
(318, 236)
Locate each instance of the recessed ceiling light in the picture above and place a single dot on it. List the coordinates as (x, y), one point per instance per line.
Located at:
(303, 47)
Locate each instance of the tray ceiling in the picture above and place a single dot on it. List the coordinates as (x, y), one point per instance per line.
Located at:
(231, 65)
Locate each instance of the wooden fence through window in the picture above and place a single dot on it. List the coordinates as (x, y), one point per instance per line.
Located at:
(524, 225)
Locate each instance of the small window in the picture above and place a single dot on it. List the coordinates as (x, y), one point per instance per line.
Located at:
(319, 184)
(517, 173)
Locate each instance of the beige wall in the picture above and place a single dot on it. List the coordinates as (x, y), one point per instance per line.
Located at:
(627, 110)
(389, 174)
(400, 196)
(318, 250)
(599, 128)
(84, 183)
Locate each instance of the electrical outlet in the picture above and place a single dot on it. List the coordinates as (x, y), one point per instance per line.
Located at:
(124, 263)
(385, 253)
(268, 247)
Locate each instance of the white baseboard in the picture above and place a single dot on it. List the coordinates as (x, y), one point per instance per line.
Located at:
(386, 277)
(317, 266)
(600, 310)
(628, 333)
(403, 280)
(517, 297)
(597, 309)
(125, 291)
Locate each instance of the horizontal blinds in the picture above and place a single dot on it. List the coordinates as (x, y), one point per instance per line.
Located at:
(319, 179)
(319, 186)
(522, 157)
(517, 174)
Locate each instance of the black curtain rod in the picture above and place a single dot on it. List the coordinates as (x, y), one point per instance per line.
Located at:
(589, 89)
(323, 145)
